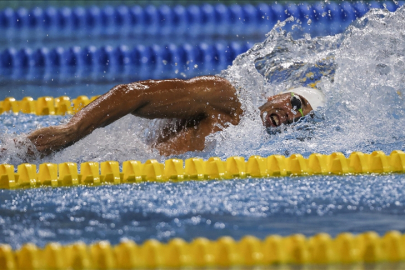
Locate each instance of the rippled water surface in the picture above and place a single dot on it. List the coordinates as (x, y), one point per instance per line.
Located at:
(209, 208)
(361, 73)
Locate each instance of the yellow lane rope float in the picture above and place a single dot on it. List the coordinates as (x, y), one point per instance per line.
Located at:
(132, 171)
(346, 248)
(45, 105)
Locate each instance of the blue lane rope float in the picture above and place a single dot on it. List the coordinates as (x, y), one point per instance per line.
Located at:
(108, 57)
(346, 249)
(195, 169)
(191, 20)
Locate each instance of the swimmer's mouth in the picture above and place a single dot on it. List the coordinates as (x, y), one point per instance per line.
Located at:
(274, 120)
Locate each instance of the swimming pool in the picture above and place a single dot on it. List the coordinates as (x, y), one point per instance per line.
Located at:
(365, 113)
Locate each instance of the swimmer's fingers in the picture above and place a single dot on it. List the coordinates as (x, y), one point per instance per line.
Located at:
(50, 139)
(44, 139)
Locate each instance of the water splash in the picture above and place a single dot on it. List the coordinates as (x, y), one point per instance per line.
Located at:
(361, 72)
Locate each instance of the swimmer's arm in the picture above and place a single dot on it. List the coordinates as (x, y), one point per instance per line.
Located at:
(153, 99)
(175, 98)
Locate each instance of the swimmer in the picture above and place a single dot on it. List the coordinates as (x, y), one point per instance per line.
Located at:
(201, 104)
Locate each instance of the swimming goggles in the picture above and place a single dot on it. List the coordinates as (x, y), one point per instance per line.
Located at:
(296, 103)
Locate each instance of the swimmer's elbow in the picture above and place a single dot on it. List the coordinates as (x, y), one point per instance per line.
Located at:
(128, 92)
(120, 89)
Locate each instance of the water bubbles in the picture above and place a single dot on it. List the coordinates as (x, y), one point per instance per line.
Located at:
(360, 71)
(383, 69)
(354, 70)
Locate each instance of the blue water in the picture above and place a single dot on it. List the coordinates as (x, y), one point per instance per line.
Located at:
(365, 111)
(211, 209)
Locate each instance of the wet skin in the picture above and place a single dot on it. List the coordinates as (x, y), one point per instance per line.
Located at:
(200, 104)
(278, 110)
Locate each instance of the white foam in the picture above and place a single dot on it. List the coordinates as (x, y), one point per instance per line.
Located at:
(365, 98)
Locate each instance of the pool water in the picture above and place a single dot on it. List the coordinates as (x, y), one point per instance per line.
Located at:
(361, 72)
(211, 209)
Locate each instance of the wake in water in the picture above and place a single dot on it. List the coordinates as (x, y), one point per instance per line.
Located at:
(361, 72)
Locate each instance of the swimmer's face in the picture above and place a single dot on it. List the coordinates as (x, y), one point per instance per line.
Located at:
(282, 109)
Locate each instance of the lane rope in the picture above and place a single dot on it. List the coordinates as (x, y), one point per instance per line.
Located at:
(296, 249)
(45, 105)
(190, 21)
(195, 169)
(165, 20)
(65, 61)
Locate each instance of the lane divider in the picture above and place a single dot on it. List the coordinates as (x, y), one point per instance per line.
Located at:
(110, 58)
(207, 19)
(45, 105)
(177, 170)
(320, 249)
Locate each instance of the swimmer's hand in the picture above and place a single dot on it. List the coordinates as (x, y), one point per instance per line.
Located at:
(51, 139)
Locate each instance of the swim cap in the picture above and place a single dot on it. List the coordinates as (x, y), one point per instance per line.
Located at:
(315, 97)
